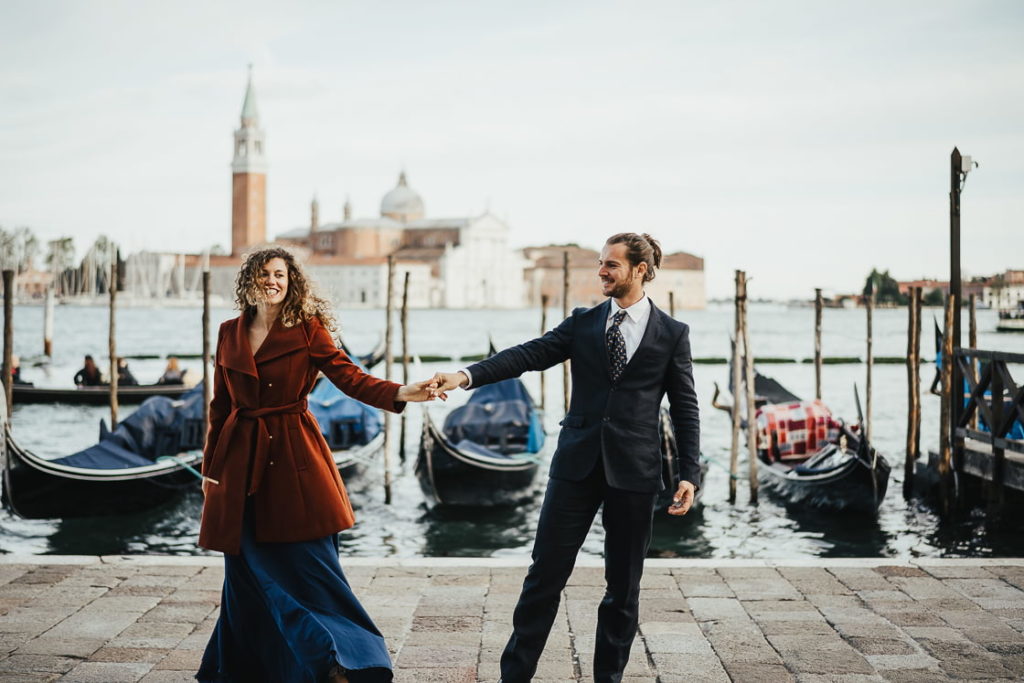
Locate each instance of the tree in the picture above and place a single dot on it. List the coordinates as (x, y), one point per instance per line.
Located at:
(885, 287)
(60, 259)
(18, 249)
(934, 297)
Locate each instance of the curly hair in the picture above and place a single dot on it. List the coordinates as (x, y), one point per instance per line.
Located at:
(640, 248)
(301, 302)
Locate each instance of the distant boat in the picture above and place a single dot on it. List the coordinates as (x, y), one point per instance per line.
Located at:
(152, 456)
(95, 395)
(1011, 319)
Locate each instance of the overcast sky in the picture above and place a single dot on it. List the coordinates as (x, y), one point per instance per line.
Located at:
(805, 142)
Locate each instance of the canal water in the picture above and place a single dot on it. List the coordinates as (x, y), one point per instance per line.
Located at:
(406, 528)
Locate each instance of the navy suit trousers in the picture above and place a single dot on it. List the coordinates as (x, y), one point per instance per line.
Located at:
(566, 516)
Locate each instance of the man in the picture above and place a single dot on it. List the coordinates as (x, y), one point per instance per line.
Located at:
(626, 355)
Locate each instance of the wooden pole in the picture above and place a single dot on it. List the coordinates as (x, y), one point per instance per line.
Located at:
(388, 362)
(918, 299)
(913, 391)
(405, 357)
(8, 276)
(565, 314)
(748, 367)
(671, 303)
(207, 379)
(819, 304)
(112, 344)
(734, 452)
(945, 413)
(48, 322)
(871, 364)
(972, 340)
(543, 330)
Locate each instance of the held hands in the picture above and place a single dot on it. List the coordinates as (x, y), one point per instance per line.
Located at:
(446, 381)
(683, 499)
(418, 391)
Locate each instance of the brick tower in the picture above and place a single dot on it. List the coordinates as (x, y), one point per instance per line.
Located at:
(249, 179)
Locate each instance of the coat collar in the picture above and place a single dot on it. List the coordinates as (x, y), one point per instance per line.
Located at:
(237, 353)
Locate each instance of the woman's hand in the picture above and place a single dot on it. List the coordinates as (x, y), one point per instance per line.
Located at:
(419, 391)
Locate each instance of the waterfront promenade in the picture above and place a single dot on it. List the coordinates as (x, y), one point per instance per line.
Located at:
(147, 618)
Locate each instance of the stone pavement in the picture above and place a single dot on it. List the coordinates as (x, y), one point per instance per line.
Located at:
(147, 618)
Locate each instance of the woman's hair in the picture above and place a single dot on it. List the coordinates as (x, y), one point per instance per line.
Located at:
(301, 303)
(640, 249)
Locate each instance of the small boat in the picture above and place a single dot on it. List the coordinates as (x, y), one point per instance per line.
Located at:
(486, 453)
(353, 430)
(376, 355)
(95, 395)
(151, 457)
(1011, 319)
(808, 458)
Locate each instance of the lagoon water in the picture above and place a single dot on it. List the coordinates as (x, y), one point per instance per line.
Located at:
(406, 528)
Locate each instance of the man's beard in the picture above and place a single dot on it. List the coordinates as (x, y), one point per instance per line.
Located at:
(622, 289)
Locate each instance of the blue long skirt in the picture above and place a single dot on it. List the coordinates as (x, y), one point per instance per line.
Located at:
(288, 615)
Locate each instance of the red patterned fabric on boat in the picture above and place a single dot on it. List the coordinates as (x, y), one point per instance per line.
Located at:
(795, 431)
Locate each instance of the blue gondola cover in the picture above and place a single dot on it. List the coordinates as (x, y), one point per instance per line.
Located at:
(499, 417)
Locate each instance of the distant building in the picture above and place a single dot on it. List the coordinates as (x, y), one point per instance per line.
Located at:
(680, 273)
(1004, 290)
(469, 261)
(249, 179)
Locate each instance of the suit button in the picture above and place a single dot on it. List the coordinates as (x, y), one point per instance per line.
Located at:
(607, 419)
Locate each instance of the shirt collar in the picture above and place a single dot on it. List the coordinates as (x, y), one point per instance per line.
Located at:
(636, 312)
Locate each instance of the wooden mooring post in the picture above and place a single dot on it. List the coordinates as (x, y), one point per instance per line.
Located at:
(819, 304)
(913, 390)
(946, 410)
(405, 358)
(8, 277)
(671, 303)
(112, 344)
(48, 322)
(388, 363)
(207, 377)
(734, 449)
(870, 363)
(972, 341)
(565, 314)
(748, 367)
(543, 330)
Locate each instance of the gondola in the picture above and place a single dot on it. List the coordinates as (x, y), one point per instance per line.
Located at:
(152, 456)
(95, 395)
(353, 430)
(808, 458)
(375, 356)
(486, 453)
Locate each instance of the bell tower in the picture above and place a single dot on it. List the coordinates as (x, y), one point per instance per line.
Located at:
(249, 179)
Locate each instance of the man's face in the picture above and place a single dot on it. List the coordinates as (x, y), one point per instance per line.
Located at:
(618, 277)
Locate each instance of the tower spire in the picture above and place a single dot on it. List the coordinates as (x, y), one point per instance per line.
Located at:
(250, 114)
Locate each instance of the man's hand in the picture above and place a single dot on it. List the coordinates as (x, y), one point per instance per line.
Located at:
(682, 500)
(446, 381)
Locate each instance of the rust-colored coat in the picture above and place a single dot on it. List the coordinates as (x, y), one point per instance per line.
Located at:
(264, 444)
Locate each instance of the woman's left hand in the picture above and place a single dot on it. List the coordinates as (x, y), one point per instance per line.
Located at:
(418, 391)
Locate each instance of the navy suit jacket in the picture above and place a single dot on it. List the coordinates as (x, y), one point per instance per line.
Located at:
(616, 421)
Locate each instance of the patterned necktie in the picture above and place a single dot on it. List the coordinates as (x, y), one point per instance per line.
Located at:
(616, 345)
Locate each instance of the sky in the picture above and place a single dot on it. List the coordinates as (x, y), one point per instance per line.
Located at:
(804, 142)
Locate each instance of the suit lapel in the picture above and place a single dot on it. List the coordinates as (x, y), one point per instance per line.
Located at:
(598, 331)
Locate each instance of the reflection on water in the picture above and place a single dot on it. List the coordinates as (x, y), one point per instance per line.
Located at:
(407, 528)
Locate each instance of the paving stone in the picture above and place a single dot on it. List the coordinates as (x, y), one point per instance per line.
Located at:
(159, 676)
(132, 655)
(19, 663)
(67, 647)
(106, 672)
(820, 655)
(181, 660)
(744, 672)
(882, 646)
(463, 674)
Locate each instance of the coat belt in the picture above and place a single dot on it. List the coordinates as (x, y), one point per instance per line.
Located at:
(261, 451)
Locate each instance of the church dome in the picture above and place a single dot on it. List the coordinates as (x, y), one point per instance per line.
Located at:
(402, 203)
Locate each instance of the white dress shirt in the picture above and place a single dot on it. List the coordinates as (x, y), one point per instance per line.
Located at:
(632, 327)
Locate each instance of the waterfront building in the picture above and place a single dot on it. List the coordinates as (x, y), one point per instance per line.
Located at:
(1004, 291)
(681, 273)
(462, 262)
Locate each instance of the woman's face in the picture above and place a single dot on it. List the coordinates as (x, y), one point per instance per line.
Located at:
(273, 280)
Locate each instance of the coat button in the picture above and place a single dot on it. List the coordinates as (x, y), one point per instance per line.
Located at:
(271, 462)
(270, 384)
(270, 436)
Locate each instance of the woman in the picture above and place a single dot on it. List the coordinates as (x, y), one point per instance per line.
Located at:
(274, 501)
(173, 374)
(89, 375)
